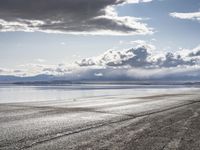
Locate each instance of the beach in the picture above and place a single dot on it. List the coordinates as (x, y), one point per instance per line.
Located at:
(153, 119)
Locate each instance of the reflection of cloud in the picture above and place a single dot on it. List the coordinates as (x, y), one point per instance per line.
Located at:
(75, 17)
(188, 16)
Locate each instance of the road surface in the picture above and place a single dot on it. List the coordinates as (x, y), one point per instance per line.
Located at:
(154, 122)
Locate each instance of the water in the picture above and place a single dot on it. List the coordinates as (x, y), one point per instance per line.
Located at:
(13, 93)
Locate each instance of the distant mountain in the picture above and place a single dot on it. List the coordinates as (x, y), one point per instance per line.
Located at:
(13, 79)
(51, 79)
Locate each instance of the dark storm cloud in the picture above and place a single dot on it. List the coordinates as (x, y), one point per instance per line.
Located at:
(68, 16)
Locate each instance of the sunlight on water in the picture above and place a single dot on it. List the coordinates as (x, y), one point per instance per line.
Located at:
(9, 94)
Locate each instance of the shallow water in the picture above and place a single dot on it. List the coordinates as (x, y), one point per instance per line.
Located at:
(15, 93)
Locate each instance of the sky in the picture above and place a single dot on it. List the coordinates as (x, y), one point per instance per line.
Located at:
(56, 36)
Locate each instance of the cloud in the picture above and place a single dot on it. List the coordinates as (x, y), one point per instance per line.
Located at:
(141, 63)
(72, 17)
(138, 43)
(189, 16)
(100, 73)
(144, 56)
(138, 63)
(143, 43)
(40, 60)
(5, 71)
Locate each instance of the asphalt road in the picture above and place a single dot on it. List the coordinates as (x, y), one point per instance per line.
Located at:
(154, 122)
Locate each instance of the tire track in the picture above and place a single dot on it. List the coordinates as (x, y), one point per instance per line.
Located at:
(129, 117)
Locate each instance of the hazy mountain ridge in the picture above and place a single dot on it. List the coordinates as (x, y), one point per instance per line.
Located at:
(50, 79)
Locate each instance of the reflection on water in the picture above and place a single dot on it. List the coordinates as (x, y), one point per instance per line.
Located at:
(10, 93)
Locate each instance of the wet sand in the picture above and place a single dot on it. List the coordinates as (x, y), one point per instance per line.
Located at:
(155, 122)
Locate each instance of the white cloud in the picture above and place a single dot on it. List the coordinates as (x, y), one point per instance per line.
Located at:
(20, 25)
(99, 74)
(138, 1)
(5, 71)
(153, 39)
(138, 42)
(140, 62)
(140, 56)
(141, 43)
(189, 16)
(40, 60)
